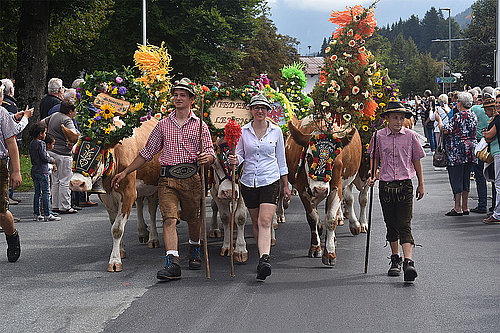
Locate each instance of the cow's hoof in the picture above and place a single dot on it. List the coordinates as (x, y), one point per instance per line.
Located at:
(214, 233)
(143, 239)
(275, 226)
(364, 229)
(223, 252)
(355, 230)
(115, 268)
(273, 241)
(328, 259)
(340, 222)
(315, 252)
(123, 254)
(153, 244)
(241, 257)
(281, 219)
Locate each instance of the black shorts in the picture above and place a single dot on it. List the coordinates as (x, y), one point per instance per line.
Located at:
(254, 196)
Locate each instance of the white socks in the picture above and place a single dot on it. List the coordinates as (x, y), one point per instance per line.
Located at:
(172, 252)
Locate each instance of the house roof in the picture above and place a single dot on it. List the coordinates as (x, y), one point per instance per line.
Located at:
(313, 64)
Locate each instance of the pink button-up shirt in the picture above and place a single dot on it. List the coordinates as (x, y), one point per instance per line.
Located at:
(178, 144)
(397, 153)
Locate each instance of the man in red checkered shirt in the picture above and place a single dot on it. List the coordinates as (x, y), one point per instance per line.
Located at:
(177, 138)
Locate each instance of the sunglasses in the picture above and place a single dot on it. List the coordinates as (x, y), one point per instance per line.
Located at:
(258, 108)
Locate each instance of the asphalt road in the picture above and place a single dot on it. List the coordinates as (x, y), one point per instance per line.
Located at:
(60, 283)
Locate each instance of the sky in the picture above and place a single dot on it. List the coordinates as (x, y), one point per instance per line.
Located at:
(307, 20)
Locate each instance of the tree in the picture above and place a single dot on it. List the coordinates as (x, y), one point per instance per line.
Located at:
(422, 74)
(266, 52)
(478, 51)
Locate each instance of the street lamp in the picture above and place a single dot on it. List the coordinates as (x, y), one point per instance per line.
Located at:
(443, 73)
(449, 37)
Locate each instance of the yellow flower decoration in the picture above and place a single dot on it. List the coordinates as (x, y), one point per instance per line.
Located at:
(115, 91)
(107, 111)
(139, 106)
(88, 93)
(364, 128)
(380, 95)
(382, 105)
(107, 130)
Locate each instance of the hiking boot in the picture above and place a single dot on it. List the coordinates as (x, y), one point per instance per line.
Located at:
(264, 267)
(195, 256)
(396, 262)
(13, 247)
(171, 271)
(410, 273)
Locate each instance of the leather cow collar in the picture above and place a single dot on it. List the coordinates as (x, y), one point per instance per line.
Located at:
(87, 157)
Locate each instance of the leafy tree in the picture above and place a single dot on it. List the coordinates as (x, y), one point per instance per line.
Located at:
(266, 52)
(422, 73)
(478, 51)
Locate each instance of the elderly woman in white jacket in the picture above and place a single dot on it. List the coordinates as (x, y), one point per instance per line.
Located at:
(441, 110)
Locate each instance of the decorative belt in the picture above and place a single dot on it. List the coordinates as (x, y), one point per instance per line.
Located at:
(180, 171)
(395, 182)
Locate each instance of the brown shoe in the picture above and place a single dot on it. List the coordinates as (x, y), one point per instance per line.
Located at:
(88, 204)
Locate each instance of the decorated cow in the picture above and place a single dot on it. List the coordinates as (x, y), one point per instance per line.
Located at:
(323, 162)
(93, 163)
(221, 204)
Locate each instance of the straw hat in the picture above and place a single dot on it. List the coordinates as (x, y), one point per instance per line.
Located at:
(185, 84)
(396, 107)
(259, 100)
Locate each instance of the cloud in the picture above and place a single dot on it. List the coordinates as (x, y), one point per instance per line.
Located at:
(320, 5)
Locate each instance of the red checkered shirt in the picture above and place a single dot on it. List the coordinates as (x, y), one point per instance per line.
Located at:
(177, 144)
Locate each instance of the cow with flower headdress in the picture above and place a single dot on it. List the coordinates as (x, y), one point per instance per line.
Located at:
(324, 161)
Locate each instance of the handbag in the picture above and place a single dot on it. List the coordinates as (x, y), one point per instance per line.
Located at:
(439, 160)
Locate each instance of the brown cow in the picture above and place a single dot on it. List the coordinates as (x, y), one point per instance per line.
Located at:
(118, 202)
(343, 171)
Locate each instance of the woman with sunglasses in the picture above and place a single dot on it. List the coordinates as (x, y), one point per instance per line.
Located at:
(261, 147)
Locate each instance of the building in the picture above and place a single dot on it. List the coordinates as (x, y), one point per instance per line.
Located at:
(313, 67)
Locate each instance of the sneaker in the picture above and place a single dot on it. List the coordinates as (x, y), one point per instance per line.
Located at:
(410, 273)
(478, 210)
(13, 247)
(195, 257)
(491, 220)
(37, 217)
(51, 218)
(171, 271)
(396, 262)
(13, 202)
(264, 267)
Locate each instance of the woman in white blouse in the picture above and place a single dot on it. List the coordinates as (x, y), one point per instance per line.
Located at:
(440, 111)
(261, 147)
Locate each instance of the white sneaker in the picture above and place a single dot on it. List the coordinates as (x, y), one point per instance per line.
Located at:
(13, 202)
(37, 217)
(51, 218)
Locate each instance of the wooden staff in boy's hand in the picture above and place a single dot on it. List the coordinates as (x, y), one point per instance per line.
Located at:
(203, 211)
(232, 133)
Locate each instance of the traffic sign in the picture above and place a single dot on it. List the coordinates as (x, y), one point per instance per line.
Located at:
(446, 80)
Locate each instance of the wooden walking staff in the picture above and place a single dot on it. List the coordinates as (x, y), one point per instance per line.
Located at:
(372, 169)
(203, 208)
(232, 133)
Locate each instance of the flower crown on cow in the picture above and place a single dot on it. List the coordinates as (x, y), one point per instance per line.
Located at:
(110, 105)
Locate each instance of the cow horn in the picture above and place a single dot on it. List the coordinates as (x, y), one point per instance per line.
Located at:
(71, 136)
(297, 135)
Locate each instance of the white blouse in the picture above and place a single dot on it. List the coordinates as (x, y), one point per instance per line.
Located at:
(264, 159)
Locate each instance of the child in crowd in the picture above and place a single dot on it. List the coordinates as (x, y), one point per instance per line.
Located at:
(398, 151)
(40, 161)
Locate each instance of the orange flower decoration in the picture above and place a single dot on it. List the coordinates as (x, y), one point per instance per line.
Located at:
(342, 18)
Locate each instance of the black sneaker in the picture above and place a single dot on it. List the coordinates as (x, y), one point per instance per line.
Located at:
(195, 257)
(171, 271)
(410, 273)
(396, 262)
(264, 267)
(13, 247)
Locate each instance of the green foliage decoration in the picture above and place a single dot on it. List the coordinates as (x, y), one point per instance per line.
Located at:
(98, 124)
(295, 82)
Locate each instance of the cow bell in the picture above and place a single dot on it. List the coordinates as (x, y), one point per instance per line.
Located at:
(97, 188)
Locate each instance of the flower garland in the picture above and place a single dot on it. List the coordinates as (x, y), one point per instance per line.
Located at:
(346, 85)
(110, 105)
(324, 148)
(154, 64)
(295, 82)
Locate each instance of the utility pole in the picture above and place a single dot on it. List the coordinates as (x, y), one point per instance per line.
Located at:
(443, 71)
(144, 22)
(449, 37)
(497, 50)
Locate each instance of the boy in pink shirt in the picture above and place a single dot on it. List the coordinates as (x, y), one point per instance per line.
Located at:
(397, 152)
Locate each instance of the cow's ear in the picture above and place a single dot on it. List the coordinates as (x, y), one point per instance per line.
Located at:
(348, 137)
(297, 135)
(70, 135)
